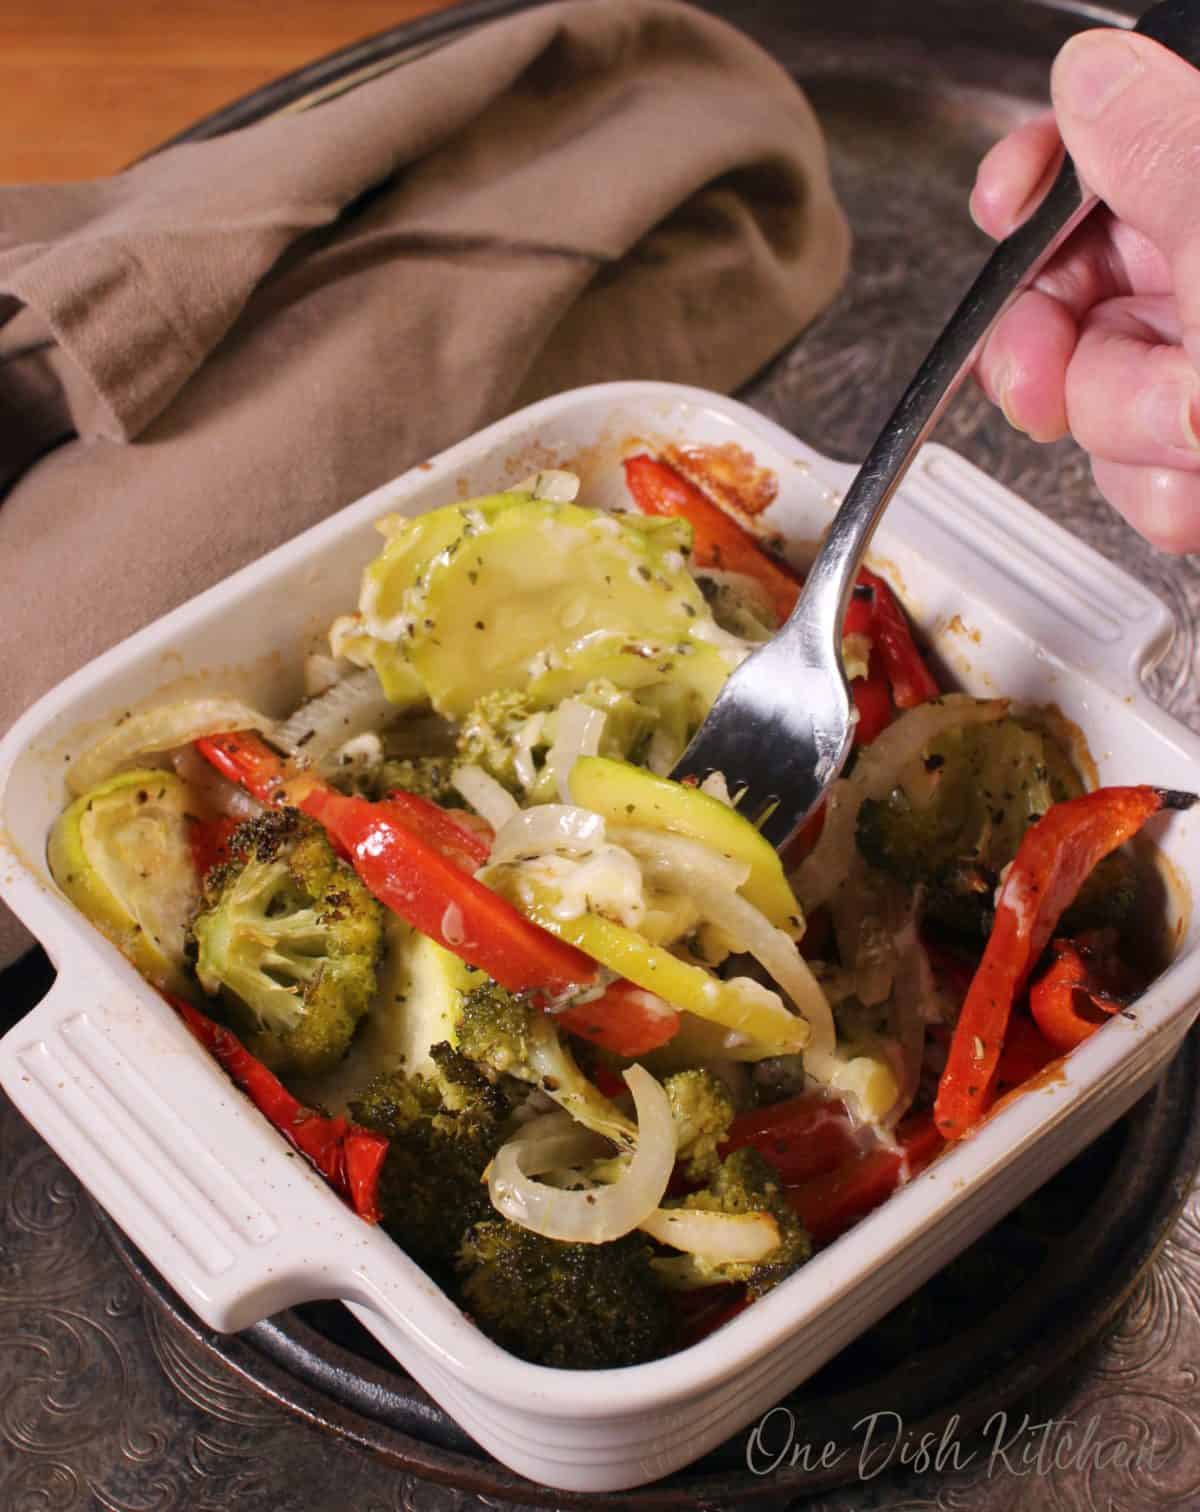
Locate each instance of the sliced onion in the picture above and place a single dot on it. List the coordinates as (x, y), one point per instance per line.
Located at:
(485, 795)
(577, 733)
(546, 830)
(876, 773)
(528, 736)
(321, 671)
(776, 952)
(609, 881)
(604, 1213)
(556, 1142)
(911, 991)
(679, 861)
(722, 1238)
(351, 707)
(863, 914)
(217, 793)
(162, 729)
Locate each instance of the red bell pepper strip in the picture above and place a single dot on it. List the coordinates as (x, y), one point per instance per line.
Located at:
(830, 1204)
(208, 840)
(911, 680)
(717, 538)
(441, 900)
(860, 612)
(1055, 856)
(465, 844)
(720, 541)
(1074, 997)
(803, 1137)
(245, 758)
(411, 876)
(872, 700)
(1026, 1052)
(350, 1158)
(625, 1019)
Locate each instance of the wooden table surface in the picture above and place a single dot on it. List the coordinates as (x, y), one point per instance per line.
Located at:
(88, 85)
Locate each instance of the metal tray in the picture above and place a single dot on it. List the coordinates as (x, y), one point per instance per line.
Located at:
(910, 96)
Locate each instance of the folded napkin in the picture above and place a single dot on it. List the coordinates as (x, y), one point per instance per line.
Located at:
(203, 355)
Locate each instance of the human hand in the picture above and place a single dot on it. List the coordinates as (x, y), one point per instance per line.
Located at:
(1106, 342)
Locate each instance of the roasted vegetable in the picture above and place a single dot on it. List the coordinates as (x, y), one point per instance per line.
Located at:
(122, 853)
(411, 862)
(958, 821)
(290, 938)
(349, 1157)
(574, 1306)
(511, 1035)
(739, 1004)
(490, 737)
(1056, 855)
(702, 1107)
(442, 1130)
(625, 794)
(743, 1183)
(512, 591)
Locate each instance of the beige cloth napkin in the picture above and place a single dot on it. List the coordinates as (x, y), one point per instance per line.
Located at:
(203, 355)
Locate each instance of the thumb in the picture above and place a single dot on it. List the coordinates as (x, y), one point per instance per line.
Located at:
(1129, 113)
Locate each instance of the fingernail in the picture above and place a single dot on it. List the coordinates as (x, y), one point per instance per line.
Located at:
(1004, 383)
(1167, 414)
(1091, 71)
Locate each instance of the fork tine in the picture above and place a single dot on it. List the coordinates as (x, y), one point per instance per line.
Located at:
(777, 732)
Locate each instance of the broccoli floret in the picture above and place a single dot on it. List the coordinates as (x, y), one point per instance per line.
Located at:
(744, 1182)
(291, 938)
(510, 1034)
(427, 776)
(442, 1132)
(573, 1306)
(986, 784)
(702, 1107)
(488, 735)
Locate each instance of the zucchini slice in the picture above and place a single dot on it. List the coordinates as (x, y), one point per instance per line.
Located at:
(121, 854)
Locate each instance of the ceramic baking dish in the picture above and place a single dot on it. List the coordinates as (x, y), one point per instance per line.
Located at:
(242, 1228)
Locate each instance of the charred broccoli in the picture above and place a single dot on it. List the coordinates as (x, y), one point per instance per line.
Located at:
(291, 937)
(573, 1306)
(427, 776)
(744, 1182)
(500, 733)
(442, 1131)
(489, 733)
(702, 1107)
(511, 1035)
(985, 785)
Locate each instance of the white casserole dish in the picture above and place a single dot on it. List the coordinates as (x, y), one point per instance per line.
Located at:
(241, 1228)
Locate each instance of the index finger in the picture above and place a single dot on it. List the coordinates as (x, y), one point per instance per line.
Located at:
(1129, 113)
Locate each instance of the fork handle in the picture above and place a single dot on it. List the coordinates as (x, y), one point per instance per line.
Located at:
(1010, 269)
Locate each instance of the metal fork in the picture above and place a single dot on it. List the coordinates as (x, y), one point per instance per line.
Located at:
(781, 729)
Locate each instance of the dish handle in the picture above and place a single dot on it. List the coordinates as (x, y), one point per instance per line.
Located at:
(196, 1181)
(1032, 569)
